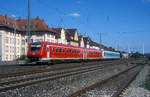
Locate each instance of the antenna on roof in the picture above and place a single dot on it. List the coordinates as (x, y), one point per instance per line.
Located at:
(143, 49)
(61, 21)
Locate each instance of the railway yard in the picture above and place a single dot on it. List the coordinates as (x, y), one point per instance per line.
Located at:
(74, 48)
(111, 78)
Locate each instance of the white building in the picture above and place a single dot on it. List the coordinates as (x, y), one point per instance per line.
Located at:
(67, 36)
(13, 36)
(60, 36)
(10, 40)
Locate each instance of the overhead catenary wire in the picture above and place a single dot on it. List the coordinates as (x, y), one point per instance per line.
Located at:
(61, 14)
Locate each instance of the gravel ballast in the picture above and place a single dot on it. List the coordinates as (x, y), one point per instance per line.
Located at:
(136, 89)
(64, 86)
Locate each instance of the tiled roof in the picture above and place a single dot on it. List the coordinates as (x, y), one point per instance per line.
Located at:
(37, 25)
(7, 21)
(58, 31)
(70, 34)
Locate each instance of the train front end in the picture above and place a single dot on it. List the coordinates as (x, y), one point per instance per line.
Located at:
(34, 53)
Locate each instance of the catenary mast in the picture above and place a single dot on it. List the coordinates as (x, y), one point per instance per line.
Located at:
(29, 22)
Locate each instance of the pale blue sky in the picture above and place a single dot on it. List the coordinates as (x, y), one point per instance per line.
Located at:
(122, 23)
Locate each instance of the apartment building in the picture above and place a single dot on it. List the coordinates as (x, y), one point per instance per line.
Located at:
(13, 35)
(39, 30)
(10, 39)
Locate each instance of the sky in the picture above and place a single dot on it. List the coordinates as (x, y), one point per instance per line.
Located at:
(123, 24)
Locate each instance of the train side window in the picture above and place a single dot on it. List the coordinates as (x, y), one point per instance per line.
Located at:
(47, 49)
(56, 50)
(53, 49)
(75, 51)
(63, 50)
(60, 50)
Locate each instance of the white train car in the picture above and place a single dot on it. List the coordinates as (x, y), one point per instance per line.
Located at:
(110, 54)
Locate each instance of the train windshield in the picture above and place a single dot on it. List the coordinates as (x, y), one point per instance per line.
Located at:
(35, 47)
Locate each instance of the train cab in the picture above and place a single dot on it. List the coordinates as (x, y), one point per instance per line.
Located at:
(36, 51)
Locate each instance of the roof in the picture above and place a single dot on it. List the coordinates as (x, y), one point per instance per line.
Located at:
(58, 31)
(37, 25)
(57, 44)
(69, 33)
(7, 21)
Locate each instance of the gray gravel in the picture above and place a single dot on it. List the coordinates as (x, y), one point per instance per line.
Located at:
(136, 88)
(64, 86)
(136, 92)
(109, 88)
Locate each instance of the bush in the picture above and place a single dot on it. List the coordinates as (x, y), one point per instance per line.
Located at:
(147, 82)
(23, 57)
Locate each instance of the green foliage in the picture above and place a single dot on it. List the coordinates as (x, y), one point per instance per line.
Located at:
(136, 55)
(147, 82)
(148, 57)
(23, 57)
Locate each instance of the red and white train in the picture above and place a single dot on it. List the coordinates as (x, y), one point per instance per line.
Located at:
(51, 52)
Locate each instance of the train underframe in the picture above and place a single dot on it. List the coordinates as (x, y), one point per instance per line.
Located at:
(37, 60)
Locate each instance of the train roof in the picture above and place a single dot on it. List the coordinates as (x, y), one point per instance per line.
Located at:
(58, 44)
(111, 51)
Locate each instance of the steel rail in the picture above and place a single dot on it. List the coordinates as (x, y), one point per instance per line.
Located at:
(27, 72)
(91, 87)
(33, 80)
(124, 86)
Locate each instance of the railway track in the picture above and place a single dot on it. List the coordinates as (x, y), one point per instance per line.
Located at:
(40, 69)
(108, 82)
(126, 84)
(17, 80)
(29, 67)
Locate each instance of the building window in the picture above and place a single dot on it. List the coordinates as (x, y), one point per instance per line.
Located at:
(10, 49)
(6, 57)
(56, 50)
(53, 36)
(18, 42)
(12, 34)
(10, 57)
(17, 49)
(7, 40)
(11, 40)
(7, 49)
(23, 50)
(23, 42)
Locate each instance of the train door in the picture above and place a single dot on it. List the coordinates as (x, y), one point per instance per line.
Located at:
(48, 51)
(84, 54)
